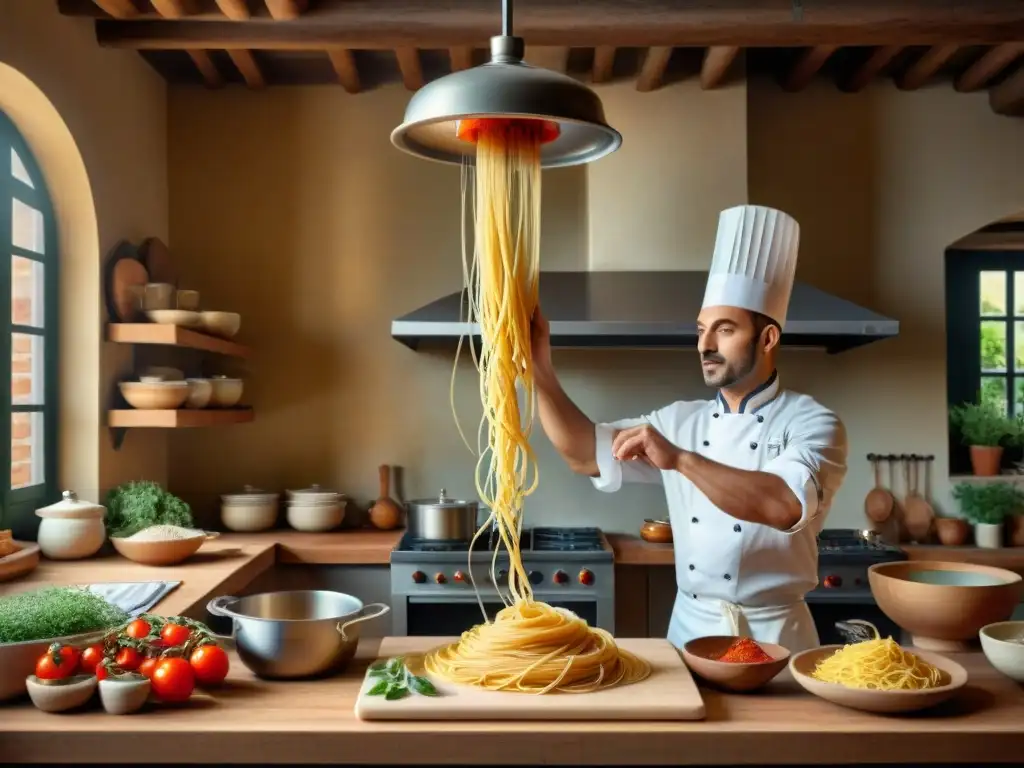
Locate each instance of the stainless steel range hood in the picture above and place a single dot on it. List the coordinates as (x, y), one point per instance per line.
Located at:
(648, 310)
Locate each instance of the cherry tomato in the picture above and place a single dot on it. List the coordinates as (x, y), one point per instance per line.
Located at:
(173, 680)
(60, 661)
(128, 658)
(138, 629)
(147, 667)
(91, 656)
(103, 670)
(174, 634)
(210, 664)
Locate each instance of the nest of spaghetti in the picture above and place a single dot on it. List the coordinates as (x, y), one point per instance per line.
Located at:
(532, 647)
(878, 664)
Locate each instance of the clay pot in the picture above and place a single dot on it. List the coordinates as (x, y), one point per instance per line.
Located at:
(985, 459)
(1016, 535)
(952, 531)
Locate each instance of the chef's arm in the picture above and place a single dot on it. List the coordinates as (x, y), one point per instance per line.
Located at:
(567, 427)
(756, 497)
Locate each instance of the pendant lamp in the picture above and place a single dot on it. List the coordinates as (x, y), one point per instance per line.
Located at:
(506, 86)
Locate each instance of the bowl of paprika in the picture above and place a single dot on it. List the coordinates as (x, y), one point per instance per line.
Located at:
(738, 664)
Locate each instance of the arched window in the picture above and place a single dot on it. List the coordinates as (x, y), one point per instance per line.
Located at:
(28, 334)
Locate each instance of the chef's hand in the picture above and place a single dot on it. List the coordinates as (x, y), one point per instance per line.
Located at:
(645, 443)
(540, 342)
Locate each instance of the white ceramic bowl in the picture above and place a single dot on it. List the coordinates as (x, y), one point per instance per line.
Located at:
(224, 324)
(180, 317)
(1003, 645)
(200, 392)
(227, 392)
(315, 518)
(124, 696)
(154, 395)
(251, 510)
(62, 696)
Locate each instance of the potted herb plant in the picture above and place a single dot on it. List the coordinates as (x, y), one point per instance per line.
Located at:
(987, 505)
(985, 429)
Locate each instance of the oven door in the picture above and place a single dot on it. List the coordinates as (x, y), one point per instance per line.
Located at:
(450, 617)
(828, 609)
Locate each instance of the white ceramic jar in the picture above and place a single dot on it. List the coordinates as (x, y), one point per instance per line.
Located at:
(251, 510)
(315, 509)
(71, 529)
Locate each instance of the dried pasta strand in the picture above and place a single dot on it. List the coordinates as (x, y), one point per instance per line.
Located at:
(530, 647)
(877, 664)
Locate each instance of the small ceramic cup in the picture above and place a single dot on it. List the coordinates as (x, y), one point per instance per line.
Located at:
(124, 695)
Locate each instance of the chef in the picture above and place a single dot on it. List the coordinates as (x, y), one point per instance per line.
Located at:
(749, 476)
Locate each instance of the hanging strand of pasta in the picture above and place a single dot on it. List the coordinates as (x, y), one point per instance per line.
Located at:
(530, 646)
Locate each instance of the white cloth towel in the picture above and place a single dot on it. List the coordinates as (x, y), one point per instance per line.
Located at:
(134, 597)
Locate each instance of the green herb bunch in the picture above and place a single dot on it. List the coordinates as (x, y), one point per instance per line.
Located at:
(988, 502)
(140, 504)
(52, 612)
(983, 424)
(394, 680)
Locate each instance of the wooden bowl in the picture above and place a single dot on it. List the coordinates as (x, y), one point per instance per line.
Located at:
(161, 552)
(881, 702)
(701, 657)
(23, 560)
(944, 605)
(656, 531)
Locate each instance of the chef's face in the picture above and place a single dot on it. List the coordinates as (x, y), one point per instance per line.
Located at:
(734, 344)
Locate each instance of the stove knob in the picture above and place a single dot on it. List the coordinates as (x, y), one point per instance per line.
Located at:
(419, 577)
(536, 577)
(561, 577)
(460, 577)
(440, 578)
(831, 582)
(586, 577)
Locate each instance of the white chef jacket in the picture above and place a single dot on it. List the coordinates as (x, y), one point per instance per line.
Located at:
(735, 577)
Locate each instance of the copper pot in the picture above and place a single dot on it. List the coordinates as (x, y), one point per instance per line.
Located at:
(656, 531)
(952, 531)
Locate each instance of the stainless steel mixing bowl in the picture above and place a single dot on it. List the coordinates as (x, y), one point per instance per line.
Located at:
(296, 634)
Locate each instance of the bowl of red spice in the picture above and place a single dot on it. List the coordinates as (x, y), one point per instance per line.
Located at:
(738, 664)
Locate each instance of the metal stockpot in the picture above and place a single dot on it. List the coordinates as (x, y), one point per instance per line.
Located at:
(296, 634)
(442, 519)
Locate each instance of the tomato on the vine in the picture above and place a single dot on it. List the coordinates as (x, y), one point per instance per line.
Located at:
(58, 662)
(138, 629)
(173, 680)
(175, 634)
(148, 666)
(128, 658)
(105, 669)
(91, 656)
(210, 664)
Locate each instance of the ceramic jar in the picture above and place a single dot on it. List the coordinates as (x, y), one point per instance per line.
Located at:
(988, 535)
(315, 509)
(71, 529)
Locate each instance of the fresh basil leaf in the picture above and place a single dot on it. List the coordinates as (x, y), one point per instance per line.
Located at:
(395, 666)
(396, 692)
(377, 666)
(379, 689)
(422, 686)
(378, 673)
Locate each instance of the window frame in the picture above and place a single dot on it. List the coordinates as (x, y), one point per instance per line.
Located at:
(17, 505)
(963, 338)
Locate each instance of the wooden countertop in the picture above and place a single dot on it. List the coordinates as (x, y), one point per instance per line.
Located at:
(254, 721)
(632, 550)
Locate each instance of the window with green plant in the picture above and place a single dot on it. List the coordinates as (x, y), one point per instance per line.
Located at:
(988, 502)
(984, 335)
(28, 338)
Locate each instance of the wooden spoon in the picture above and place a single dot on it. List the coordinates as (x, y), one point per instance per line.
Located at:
(917, 512)
(385, 513)
(879, 502)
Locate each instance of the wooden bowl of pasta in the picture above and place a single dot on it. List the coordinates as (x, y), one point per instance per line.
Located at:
(951, 677)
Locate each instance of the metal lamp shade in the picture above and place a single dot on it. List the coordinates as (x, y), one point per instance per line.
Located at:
(506, 88)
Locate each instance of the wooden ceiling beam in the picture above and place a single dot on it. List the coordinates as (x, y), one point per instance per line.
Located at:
(555, 58)
(211, 75)
(236, 10)
(991, 63)
(807, 66)
(1007, 98)
(869, 69)
(461, 57)
(717, 60)
(249, 68)
(380, 24)
(344, 64)
(922, 70)
(119, 9)
(653, 68)
(604, 63)
(286, 10)
(174, 9)
(409, 65)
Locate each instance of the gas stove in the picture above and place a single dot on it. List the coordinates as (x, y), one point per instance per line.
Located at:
(432, 582)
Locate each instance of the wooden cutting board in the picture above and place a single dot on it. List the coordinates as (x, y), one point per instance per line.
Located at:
(668, 694)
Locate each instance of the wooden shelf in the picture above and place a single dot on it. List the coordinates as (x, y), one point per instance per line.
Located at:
(131, 418)
(172, 335)
(1009, 477)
